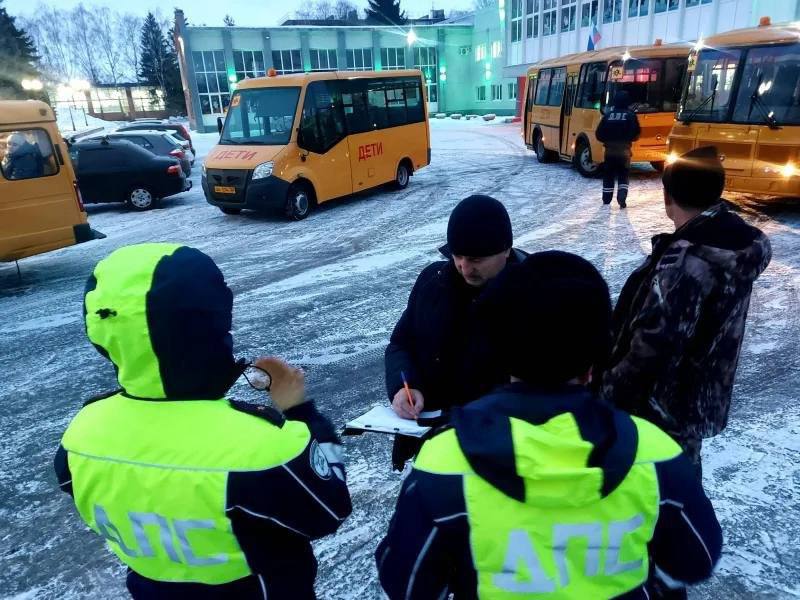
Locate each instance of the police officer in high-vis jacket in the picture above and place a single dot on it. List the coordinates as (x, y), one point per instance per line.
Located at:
(201, 497)
(539, 489)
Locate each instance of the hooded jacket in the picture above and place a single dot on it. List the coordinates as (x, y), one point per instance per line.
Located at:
(201, 497)
(24, 163)
(507, 499)
(679, 324)
(618, 128)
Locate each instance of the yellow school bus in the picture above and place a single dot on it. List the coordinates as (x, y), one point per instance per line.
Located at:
(297, 140)
(566, 97)
(742, 95)
(40, 205)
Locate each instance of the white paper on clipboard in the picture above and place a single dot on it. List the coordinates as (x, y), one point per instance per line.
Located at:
(382, 419)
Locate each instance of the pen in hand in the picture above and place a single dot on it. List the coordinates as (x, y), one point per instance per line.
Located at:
(408, 395)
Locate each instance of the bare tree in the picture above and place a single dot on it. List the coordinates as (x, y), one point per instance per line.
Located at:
(129, 28)
(343, 8)
(481, 4)
(104, 33)
(228, 20)
(82, 43)
(49, 33)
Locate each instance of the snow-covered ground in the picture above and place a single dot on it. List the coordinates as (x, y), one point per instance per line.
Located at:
(325, 293)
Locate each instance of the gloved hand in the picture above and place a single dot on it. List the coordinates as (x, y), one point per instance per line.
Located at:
(288, 387)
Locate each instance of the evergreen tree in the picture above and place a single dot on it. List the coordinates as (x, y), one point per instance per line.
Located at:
(159, 64)
(385, 12)
(18, 59)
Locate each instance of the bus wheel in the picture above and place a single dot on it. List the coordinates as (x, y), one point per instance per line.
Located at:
(299, 200)
(658, 165)
(230, 211)
(140, 198)
(403, 176)
(583, 160)
(543, 155)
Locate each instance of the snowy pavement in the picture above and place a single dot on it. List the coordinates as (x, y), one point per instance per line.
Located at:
(325, 293)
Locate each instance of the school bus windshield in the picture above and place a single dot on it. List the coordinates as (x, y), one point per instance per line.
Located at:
(654, 84)
(261, 116)
(710, 89)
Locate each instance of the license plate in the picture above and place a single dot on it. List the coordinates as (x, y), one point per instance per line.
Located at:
(224, 189)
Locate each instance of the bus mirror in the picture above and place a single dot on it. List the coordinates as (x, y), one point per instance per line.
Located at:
(219, 125)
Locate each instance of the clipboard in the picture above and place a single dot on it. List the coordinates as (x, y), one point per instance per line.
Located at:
(382, 419)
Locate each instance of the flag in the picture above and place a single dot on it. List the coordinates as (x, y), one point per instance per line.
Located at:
(594, 38)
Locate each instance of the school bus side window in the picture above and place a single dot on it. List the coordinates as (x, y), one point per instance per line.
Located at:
(543, 87)
(27, 154)
(322, 121)
(557, 85)
(593, 83)
(354, 103)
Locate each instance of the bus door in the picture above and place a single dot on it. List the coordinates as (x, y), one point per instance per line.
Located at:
(568, 136)
(323, 140)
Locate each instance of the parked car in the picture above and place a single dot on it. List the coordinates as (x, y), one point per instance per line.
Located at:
(116, 170)
(159, 143)
(180, 130)
(184, 144)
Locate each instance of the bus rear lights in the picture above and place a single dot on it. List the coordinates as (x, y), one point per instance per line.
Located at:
(789, 170)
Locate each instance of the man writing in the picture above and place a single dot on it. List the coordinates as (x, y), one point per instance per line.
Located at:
(679, 321)
(436, 344)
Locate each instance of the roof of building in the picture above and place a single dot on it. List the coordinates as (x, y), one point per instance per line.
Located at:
(25, 111)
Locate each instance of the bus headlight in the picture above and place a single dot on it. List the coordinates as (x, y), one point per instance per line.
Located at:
(672, 157)
(789, 170)
(263, 170)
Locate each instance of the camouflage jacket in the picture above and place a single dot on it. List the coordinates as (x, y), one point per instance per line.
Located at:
(679, 323)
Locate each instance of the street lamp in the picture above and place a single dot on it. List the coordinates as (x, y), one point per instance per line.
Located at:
(411, 37)
(31, 85)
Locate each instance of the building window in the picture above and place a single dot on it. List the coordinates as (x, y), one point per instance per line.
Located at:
(464, 50)
(212, 81)
(497, 91)
(638, 8)
(248, 63)
(516, 20)
(612, 10)
(359, 59)
(497, 49)
(480, 52)
(550, 17)
(569, 10)
(425, 61)
(589, 13)
(323, 59)
(287, 61)
(512, 91)
(532, 20)
(480, 93)
(393, 59)
(664, 5)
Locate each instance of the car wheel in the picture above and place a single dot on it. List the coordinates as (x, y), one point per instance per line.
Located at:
(543, 155)
(230, 211)
(141, 198)
(299, 201)
(583, 160)
(402, 176)
(658, 165)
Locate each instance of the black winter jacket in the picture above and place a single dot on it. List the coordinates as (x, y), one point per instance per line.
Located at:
(618, 129)
(24, 163)
(435, 342)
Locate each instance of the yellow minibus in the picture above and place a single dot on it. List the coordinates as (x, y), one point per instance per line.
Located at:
(40, 205)
(566, 97)
(742, 95)
(293, 141)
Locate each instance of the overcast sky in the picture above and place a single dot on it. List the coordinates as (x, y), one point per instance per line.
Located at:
(254, 13)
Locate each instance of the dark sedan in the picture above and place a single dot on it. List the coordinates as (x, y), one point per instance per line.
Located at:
(160, 143)
(180, 130)
(112, 170)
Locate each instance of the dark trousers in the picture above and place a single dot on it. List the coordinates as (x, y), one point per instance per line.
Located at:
(615, 169)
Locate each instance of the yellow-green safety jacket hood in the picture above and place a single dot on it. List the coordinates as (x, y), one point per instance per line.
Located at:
(161, 313)
(549, 456)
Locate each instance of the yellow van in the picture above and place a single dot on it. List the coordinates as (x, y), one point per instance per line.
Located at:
(40, 205)
(293, 141)
(565, 98)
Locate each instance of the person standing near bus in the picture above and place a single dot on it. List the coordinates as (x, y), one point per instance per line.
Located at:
(679, 321)
(617, 131)
(435, 346)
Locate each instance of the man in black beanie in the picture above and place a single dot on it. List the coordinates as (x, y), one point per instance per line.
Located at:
(679, 321)
(436, 344)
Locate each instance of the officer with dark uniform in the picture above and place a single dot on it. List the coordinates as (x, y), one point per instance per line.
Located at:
(201, 497)
(617, 130)
(539, 488)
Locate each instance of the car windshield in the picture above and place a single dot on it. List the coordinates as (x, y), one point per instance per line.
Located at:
(261, 116)
(654, 85)
(710, 86)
